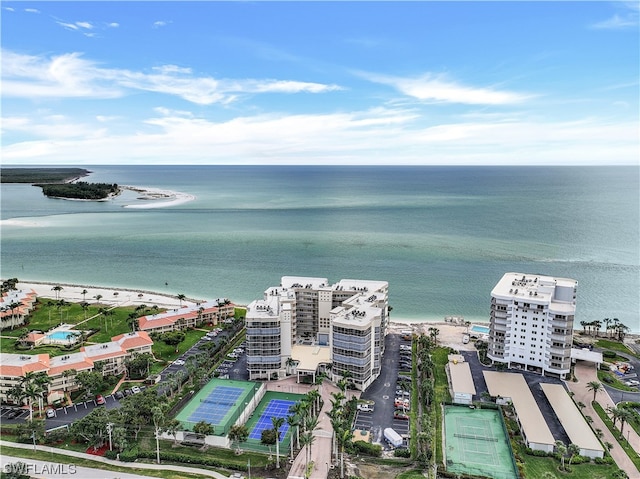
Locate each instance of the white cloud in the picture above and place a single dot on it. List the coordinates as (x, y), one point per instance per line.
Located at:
(113, 25)
(617, 22)
(31, 10)
(437, 88)
(70, 75)
(9, 9)
(374, 136)
(160, 23)
(86, 25)
(62, 76)
(69, 26)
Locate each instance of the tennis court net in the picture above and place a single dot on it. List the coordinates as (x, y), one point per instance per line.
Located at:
(478, 438)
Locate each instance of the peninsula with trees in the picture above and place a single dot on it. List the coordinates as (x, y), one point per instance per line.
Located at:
(61, 182)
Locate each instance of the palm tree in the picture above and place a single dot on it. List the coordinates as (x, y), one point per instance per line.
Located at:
(57, 288)
(343, 439)
(85, 306)
(84, 294)
(573, 450)
(181, 297)
(277, 424)
(625, 416)
(594, 386)
(292, 420)
(561, 449)
(98, 297)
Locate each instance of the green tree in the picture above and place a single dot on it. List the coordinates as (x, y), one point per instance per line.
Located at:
(238, 434)
(561, 449)
(594, 386)
(277, 424)
(268, 438)
(57, 288)
(172, 426)
(573, 450)
(204, 428)
(93, 427)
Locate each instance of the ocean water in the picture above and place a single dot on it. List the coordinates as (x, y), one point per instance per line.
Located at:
(441, 236)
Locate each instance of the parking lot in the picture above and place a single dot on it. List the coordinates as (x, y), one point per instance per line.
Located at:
(384, 392)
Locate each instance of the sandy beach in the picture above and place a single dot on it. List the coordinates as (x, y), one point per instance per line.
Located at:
(157, 198)
(111, 296)
(450, 334)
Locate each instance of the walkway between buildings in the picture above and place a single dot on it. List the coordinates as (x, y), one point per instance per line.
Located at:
(586, 372)
(321, 448)
(130, 465)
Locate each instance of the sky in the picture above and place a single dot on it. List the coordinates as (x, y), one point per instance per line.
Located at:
(364, 83)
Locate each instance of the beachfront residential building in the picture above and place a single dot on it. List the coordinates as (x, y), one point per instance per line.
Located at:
(15, 306)
(307, 323)
(63, 369)
(531, 323)
(210, 312)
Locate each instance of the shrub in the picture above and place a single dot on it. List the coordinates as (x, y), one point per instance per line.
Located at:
(129, 455)
(368, 449)
(402, 453)
(608, 354)
(111, 454)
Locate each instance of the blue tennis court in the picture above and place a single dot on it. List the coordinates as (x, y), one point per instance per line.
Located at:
(216, 405)
(275, 408)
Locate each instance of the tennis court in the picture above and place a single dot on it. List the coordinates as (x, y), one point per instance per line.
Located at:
(273, 404)
(220, 403)
(477, 443)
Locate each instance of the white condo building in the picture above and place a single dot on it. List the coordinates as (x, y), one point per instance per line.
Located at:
(531, 324)
(306, 323)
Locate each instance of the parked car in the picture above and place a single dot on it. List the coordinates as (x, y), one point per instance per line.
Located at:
(128, 392)
(135, 390)
(118, 395)
(51, 413)
(100, 400)
(179, 362)
(400, 415)
(365, 407)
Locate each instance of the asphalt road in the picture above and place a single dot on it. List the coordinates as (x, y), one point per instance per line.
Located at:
(382, 391)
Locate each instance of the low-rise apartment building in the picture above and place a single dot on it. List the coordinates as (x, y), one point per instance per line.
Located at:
(531, 323)
(63, 369)
(348, 318)
(210, 312)
(15, 306)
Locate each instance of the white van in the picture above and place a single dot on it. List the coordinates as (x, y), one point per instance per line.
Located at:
(465, 339)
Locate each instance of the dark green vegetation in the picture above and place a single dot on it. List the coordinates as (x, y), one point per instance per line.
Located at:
(40, 175)
(80, 190)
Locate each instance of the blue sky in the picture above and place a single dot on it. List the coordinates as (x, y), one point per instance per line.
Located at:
(320, 82)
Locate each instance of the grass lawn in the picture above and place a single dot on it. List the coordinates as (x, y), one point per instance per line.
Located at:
(613, 381)
(62, 459)
(547, 468)
(228, 455)
(413, 474)
(441, 395)
(614, 346)
(633, 455)
(168, 353)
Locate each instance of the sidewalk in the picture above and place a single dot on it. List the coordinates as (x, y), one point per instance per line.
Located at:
(321, 449)
(586, 372)
(131, 465)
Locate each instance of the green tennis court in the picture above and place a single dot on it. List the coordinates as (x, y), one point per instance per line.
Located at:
(476, 443)
(220, 403)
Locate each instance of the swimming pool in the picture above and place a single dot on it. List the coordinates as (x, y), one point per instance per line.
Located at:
(62, 335)
(479, 329)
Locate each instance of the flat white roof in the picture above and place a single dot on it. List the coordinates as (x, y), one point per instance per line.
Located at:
(461, 379)
(571, 418)
(586, 355)
(514, 386)
(309, 357)
(303, 282)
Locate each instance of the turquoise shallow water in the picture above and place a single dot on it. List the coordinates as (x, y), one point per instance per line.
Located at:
(441, 236)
